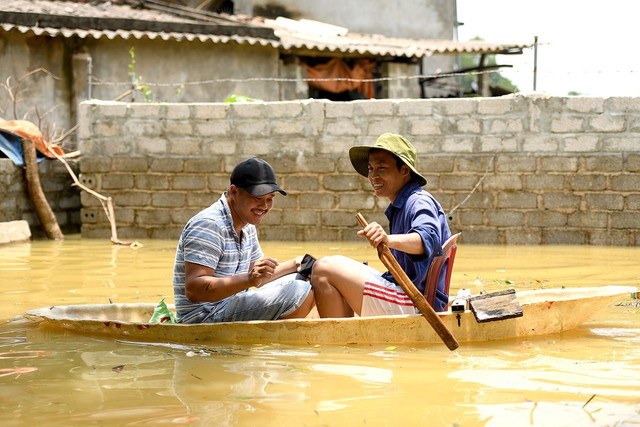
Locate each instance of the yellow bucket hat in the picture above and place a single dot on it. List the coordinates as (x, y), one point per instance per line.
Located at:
(397, 145)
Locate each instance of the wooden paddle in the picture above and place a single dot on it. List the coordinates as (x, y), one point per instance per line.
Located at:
(408, 287)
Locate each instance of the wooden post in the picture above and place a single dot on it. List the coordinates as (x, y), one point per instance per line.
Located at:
(484, 82)
(417, 298)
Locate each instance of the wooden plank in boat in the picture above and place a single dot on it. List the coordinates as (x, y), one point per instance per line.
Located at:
(495, 306)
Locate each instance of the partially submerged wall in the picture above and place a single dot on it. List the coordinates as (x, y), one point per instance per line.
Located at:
(57, 185)
(516, 170)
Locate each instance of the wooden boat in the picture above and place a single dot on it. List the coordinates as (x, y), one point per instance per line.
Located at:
(544, 311)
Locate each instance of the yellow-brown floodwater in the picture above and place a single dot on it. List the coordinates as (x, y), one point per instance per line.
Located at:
(586, 377)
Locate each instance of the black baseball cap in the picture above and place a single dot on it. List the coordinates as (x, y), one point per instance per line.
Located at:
(255, 176)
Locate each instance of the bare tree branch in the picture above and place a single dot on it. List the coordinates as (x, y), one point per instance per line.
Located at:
(55, 135)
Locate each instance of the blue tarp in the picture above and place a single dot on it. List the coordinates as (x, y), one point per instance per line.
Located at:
(11, 146)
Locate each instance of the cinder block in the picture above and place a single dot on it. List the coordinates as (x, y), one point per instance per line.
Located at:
(14, 231)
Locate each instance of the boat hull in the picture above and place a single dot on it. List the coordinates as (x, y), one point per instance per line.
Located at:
(544, 312)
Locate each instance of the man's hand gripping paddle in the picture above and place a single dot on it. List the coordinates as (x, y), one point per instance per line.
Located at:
(408, 287)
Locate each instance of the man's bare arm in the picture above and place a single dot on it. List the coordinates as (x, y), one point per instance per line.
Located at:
(410, 243)
(201, 286)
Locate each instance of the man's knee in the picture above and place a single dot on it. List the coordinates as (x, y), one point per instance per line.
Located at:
(325, 265)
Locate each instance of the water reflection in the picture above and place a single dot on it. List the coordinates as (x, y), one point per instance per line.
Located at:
(90, 380)
(273, 385)
(222, 392)
(544, 374)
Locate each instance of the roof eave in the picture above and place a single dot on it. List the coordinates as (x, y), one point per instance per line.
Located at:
(104, 23)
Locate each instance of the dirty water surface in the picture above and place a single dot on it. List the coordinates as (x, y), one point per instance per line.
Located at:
(589, 376)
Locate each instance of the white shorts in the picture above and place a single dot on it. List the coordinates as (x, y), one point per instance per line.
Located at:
(381, 297)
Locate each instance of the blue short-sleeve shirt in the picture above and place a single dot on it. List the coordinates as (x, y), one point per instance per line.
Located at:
(416, 211)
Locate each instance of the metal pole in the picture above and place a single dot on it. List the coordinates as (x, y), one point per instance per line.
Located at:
(89, 76)
(456, 25)
(535, 62)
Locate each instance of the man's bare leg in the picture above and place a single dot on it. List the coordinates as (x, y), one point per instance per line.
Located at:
(304, 309)
(338, 283)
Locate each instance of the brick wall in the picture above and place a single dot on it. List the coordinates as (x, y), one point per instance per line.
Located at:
(516, 170)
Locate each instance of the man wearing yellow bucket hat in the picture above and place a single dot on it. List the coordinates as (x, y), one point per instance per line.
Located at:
(418, 228)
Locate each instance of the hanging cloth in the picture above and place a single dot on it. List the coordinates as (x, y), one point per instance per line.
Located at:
(11, 147)
(26, 129)
(337, 68)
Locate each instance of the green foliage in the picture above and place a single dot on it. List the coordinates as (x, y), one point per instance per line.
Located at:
(495, 78)
(180, 90)
(136, 81)
(241, 98)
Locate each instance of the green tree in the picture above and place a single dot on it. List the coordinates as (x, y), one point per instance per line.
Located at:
(496, 80)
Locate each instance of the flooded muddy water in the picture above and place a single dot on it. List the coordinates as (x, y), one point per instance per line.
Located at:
(587, 376)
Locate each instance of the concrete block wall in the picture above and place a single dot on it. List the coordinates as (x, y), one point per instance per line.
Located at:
(57, 185)
(515, 170)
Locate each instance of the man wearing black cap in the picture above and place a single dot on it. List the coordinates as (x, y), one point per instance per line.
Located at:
(220, 273)
(418, 228)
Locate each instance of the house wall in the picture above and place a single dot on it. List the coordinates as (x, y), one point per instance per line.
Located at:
(515, 170)
(398, 87)
(57, 92)
(417, 19)
(170, 62)
(48, 91)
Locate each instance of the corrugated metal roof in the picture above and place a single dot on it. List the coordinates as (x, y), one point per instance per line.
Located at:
(106, 16)
(292, 36)
(134, 34)
(312, 35)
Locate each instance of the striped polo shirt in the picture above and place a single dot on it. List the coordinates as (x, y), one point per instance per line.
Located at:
(209, 239)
